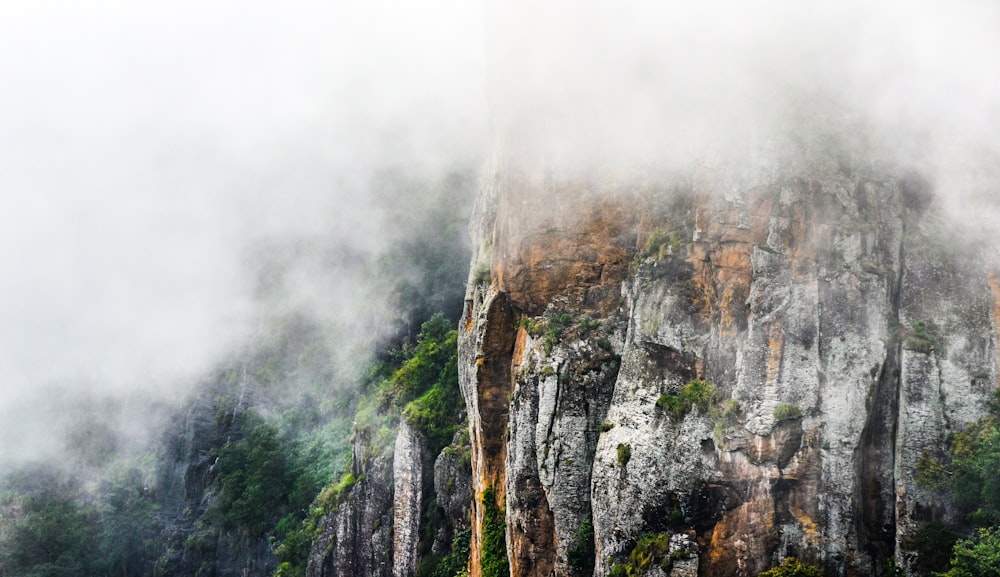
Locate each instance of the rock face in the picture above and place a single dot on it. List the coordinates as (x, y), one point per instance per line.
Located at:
(839, 325)
(378, 527)
(357, 537)
(408, 473)
(186, 481)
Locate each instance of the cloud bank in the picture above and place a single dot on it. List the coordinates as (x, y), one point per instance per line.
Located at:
(638, 83)
(151, 152)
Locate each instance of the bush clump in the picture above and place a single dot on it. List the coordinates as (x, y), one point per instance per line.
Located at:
(652, 549)
(792, 568)
(624, 454)
(932, 542)
(696, 394)
(976, 557)
(493, 559)
(786, 411)
(580, 556)
(920, 338)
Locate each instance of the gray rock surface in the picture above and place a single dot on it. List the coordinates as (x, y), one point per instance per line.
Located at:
(408, 499)
(845, 327)
(357, 538)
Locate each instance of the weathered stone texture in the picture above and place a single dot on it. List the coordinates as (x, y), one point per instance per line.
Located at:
(844, 329)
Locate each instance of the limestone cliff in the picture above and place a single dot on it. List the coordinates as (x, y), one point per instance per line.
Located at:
(839, 325)
(406, 507)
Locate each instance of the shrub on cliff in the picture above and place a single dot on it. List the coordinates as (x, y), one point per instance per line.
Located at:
(433, 412)
(696, 394)
(786, 411)
(792, 568)
(978, 557)
(493, 557)
(969, 468)
(256, 479)
(651, 549)
(580, 555)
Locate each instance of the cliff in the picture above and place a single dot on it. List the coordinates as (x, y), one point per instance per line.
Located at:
(834, 325)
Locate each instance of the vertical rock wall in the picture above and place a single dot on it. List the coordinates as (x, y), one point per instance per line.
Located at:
(357, 537)
(843, 328)
(408, 476)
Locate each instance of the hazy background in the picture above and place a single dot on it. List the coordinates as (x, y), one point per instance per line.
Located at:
(638, 83)
(154, 156)
(157, 157)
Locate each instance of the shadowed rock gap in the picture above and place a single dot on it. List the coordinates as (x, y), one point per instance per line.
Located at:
(875, 507)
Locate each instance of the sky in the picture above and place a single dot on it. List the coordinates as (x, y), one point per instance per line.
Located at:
(150, 150)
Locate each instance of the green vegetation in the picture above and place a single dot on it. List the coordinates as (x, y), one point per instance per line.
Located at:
(493, 560)
(239, 467)
(296, 537)
(892, 570)
(696, 394)
(920, 338)
(57, 535)
(969, 469)
(256, 480)
(418, 383)
(652, 549)
(968, 472)
(661, 243)
(977, 557)
(51, 526)
(931, 472)
(607, 426)
(786, 411)
(553, 328)
(580, 555)
(792, 568)
(422, 364)
(624, 454)
(673, 405)
(932, 543)
(450, 565)
(433, 413)
(726, 420)
(529, 324)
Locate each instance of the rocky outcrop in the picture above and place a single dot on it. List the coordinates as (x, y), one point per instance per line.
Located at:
(408, 474)
(838, 324)
(404, 509)
(192, 542)
(452, 491)
(357, 537)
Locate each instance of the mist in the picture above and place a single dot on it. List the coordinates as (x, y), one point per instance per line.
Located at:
(157, 158)
(640, 86)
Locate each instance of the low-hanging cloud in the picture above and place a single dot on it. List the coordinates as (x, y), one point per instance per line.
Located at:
(151, 152)
(152, 156)
(634, 84)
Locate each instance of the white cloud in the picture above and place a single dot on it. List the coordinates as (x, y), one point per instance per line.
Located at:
(145, 147)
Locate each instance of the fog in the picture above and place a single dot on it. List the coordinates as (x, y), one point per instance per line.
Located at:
(639, 84)
(151, 152)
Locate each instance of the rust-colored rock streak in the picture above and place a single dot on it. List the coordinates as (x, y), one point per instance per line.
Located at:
(573, 239)
(486, 392)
